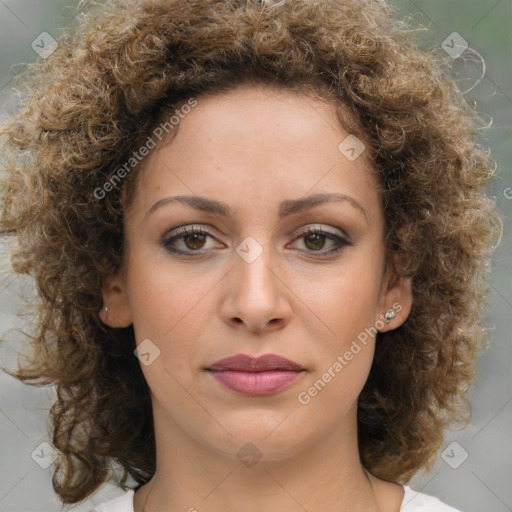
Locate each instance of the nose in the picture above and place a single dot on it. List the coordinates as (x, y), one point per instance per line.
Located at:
(257, 293)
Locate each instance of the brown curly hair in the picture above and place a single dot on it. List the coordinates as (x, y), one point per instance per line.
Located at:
(128, 64)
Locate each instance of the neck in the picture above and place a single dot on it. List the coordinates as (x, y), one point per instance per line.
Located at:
(326, 475)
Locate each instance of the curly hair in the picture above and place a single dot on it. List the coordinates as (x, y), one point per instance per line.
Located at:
(128, 64)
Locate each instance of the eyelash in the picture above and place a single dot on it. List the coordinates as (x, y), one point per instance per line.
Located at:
(193, 230)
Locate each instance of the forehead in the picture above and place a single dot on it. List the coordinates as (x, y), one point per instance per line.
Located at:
(257, 144)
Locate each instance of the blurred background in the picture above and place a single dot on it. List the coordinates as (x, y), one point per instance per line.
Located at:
(474, 469)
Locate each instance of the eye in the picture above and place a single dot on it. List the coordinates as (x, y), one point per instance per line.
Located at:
(191, 241)
(187, 240)
(315, 238)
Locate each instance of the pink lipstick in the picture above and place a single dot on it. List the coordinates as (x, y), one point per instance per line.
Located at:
(260, 376)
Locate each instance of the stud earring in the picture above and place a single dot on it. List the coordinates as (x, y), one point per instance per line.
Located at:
(106, 311)
(390, 314)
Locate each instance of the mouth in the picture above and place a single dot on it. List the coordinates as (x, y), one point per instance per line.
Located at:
(260, 376)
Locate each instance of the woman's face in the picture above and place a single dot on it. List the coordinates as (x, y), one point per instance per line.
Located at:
(253, 282)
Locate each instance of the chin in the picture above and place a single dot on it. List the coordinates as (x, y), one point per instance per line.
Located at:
(266, 441)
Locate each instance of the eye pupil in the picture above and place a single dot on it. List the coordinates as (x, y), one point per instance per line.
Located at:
(195, 237)
(316, 238)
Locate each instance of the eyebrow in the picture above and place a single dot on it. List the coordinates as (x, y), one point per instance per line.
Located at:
(287, 207)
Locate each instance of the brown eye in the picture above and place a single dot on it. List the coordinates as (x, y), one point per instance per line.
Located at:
(315, 239)
(186, 241)
(194, 241)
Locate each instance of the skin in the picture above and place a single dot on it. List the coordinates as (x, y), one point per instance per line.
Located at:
(253, 148)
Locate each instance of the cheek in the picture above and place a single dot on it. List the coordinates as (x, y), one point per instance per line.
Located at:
(165, 298)
(173, 308)
(349, 299)
(349, 307)
(332, 392)
(168, 307)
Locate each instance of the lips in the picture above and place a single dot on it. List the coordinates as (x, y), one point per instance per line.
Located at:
(264, 375)
(264, 363)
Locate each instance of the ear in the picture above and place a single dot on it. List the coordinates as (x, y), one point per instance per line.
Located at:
(116, 311)
(395, 295)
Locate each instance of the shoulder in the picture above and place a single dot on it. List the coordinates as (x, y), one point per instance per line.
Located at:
(419, 502)
(413, 501)
(123, 503)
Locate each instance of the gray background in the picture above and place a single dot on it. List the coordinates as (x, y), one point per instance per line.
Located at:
(474, 471)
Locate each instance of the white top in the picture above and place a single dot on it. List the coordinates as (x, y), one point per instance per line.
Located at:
(413, 502)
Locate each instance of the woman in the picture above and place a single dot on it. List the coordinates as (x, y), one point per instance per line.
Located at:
(260, 238)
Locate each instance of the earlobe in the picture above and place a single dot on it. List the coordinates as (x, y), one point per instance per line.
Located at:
(115, 312)
(396, 303)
